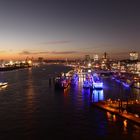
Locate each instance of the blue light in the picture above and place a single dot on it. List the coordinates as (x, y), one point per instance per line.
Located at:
(97, 95)
(98, 84)
(101, 95)
(113, 78)
(86, 84)
(125, 85)
(118, 81)
(75, 79)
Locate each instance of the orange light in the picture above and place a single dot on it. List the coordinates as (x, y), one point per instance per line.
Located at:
(125, 123)
(114, 118)
(29, 62)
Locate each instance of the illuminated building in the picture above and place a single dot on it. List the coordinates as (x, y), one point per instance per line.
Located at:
(133, 56)
(87, 60)
(96, 57)
(105, 62)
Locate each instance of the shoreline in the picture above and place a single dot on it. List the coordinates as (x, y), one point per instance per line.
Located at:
(13, 68)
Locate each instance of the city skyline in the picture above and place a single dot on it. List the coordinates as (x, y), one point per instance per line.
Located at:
(71, 29)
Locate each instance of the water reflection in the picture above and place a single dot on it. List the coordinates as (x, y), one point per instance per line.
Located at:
(114, 118)
(30, 91)
(97, 95)
(111, 117)
(66, 92)
(30, 97)
(125, 123)
(125, 126)
(30, 106)
(3, 87)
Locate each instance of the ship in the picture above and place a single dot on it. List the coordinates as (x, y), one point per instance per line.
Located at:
(62, 82)
(97, 82)
(88, 83)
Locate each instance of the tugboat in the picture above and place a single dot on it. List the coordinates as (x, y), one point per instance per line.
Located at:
(62, 82)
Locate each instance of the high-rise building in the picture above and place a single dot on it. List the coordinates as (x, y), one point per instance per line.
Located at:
(96, 57)
(105, 56)
(87, 58)
(133, 56)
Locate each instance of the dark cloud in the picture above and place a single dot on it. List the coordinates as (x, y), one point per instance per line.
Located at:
(32, 53)
(56, 42)
(25, 53)
(45, 52)
(64, 52)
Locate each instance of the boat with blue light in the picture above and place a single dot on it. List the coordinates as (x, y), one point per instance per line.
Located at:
(75, 78)
(125, 84)
(97, 82)
(88, 83)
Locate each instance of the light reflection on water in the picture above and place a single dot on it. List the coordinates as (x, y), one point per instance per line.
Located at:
(30, 108)
(97, 95)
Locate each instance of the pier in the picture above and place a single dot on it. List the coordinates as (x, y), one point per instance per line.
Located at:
(124, 114)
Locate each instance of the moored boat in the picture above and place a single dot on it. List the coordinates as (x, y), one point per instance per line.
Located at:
(88, 83)
(2, 84)
(97, 82)
(62, 82)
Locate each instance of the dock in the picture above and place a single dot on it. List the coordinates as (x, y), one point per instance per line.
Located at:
(126, 115)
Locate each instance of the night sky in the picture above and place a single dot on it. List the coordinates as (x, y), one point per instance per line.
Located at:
(69, 28)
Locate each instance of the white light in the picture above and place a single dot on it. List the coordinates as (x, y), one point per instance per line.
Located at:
(29, 62)
(89, 71)
(89, 64)
(11, 62)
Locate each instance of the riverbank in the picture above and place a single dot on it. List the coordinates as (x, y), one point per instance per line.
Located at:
(13, 68)
(124, 114)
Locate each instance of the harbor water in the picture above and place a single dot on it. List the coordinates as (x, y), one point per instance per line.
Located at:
(31, 108)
